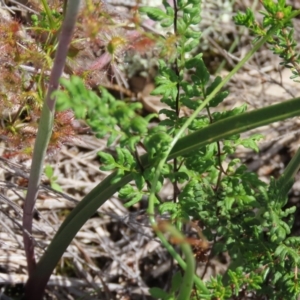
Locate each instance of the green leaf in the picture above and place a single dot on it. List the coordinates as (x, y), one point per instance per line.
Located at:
(270, 6)
(228, 201)
(134, 200)
(246, 19)
(169, 9)
(157, 144)
(48, 171)
(195, 2)
(118, 176)
(176, 282)
(139, 181)
(56, 187)
(181, 177)
(167, 22)
(168, 207)
(120, 156)
(251, 142)
(113, 136)
(267, 21)
(139, 125)
(281, 4)
(106, 158)
(154, 13)
(158, 293)
(126, 191)
(132, 142)
(195, 19)
(166, 89)
(108, 167)
(201, 75)
(190, 33)
(182, 26)
(218, 99)
(129, 159)
(191, 45)
(213, 85)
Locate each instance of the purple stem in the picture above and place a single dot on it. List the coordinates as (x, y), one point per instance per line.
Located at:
(48, 108)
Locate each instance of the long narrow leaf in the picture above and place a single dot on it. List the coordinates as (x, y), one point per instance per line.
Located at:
(43, 137)
(235, 125)
(45, 131)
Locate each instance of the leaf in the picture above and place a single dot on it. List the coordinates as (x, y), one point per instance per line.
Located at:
(251, 142)
(169, 113)
(106, 158)
(108, 167)
(195, 2)
(169, 9)
(129, 159)
(201, 75)
(190, 63)
(118, 176)
(181, 177)
(56, 187)
(167, 22)
(48, 171)
(228, 201)
(270, 6)
(267, 21)
(213, 85)
(266, 273)
(154, 13)
(158, 293)
(191, 45)
(139, 181)
(120, 156)
(139, 125)
(277, 276)
(195, 19)
(190, 33)
(181, 27)
(176, 282)
(126, 191)
(218, 99)
(113, 136)
(132, 142)
(246, 19)
(134, 200)
(168, 207)
(217, 116)
(166, 89)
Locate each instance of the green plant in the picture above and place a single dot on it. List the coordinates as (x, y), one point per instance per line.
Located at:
(45, 132)
(240, 214)
(49, 172)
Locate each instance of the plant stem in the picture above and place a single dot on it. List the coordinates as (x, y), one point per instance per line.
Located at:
(188, 278)
(48, 12)
(183, 264)
(44, 132)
